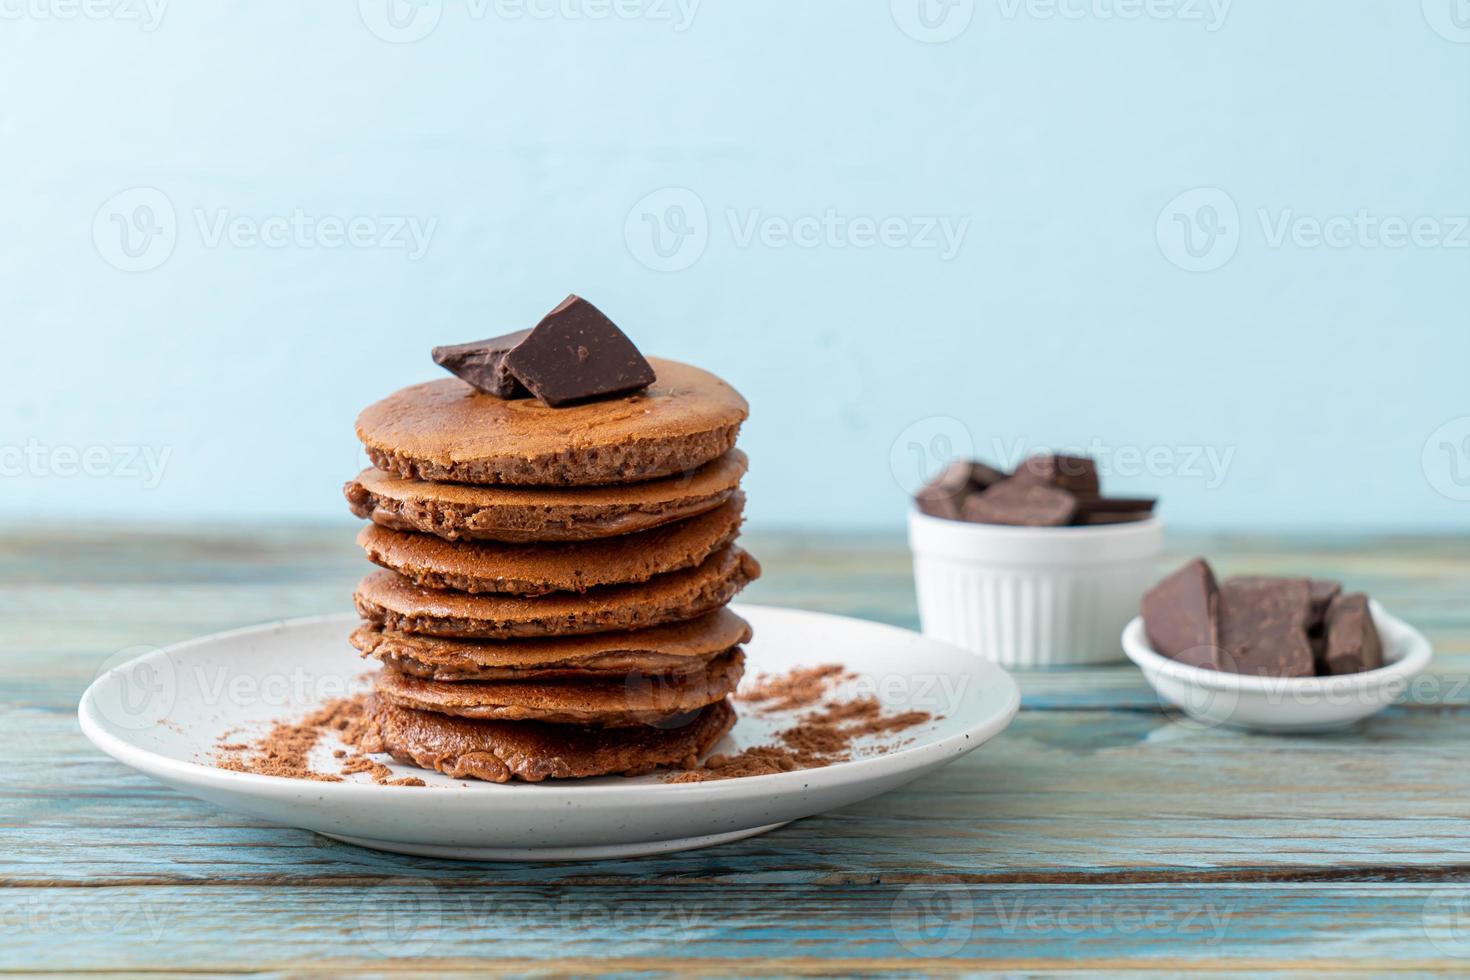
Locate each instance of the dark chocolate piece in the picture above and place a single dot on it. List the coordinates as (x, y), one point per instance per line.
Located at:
(1115, 505)
(1323, 592)
(1075, 474)
(1353, 645)
(482, 364)
(984, 476)
(1181, 615)
(576, 353)
(944, 495)
(1263, 626)
(1019, 502)
(1124, 517)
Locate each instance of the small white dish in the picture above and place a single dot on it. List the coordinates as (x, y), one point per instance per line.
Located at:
(1032, 596)
(1285, 704)
(166, 712)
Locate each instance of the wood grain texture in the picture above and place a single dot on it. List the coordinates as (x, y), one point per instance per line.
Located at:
(1100, 833)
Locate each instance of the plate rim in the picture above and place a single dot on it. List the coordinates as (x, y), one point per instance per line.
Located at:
(910, 758)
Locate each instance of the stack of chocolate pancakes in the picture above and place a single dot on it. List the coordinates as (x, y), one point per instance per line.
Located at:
(551, 601)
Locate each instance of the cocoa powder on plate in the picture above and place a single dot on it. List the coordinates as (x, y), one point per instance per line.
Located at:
(823, 735)
(286, 749)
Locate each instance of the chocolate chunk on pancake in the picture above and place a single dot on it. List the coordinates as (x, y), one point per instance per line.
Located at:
(672, 648)
(500, 751)
(533, 569)
(446, 430)
(608, 702)
(520, 514)
(395, 603)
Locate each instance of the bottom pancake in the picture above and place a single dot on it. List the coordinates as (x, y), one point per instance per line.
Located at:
(609, 702)
(499, 751)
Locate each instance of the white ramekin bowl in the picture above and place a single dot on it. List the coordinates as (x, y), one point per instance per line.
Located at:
(1286, 704)
(1032, 596)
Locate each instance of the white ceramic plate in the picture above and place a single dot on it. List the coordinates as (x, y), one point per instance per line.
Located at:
(1294, 704)
(165, 712)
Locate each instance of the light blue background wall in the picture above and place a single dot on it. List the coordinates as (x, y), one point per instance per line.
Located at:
(1328, 382)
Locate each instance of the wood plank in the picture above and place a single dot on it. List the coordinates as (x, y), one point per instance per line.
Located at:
(945, 927)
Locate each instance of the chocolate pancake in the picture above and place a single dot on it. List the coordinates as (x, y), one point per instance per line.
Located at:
(447, 430)
(500, 751)
(534, 569)
(519, 514)
(674, 648)
(607, 702)
(395, 603)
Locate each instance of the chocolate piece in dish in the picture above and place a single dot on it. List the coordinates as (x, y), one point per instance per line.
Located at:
(1113, 510)
(575, 354)
(1323, 592)
(1263, 627)
(1021, 503)
(1122, 517)
(1352, 642)
(482, 364)
(1181, 615)
(944, 495)
(983, 476)
(1075, 474)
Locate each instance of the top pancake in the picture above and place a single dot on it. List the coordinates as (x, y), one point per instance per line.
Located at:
(457, 512)
(446, 430)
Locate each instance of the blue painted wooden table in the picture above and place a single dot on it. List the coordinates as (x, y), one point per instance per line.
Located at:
(1099, 833)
